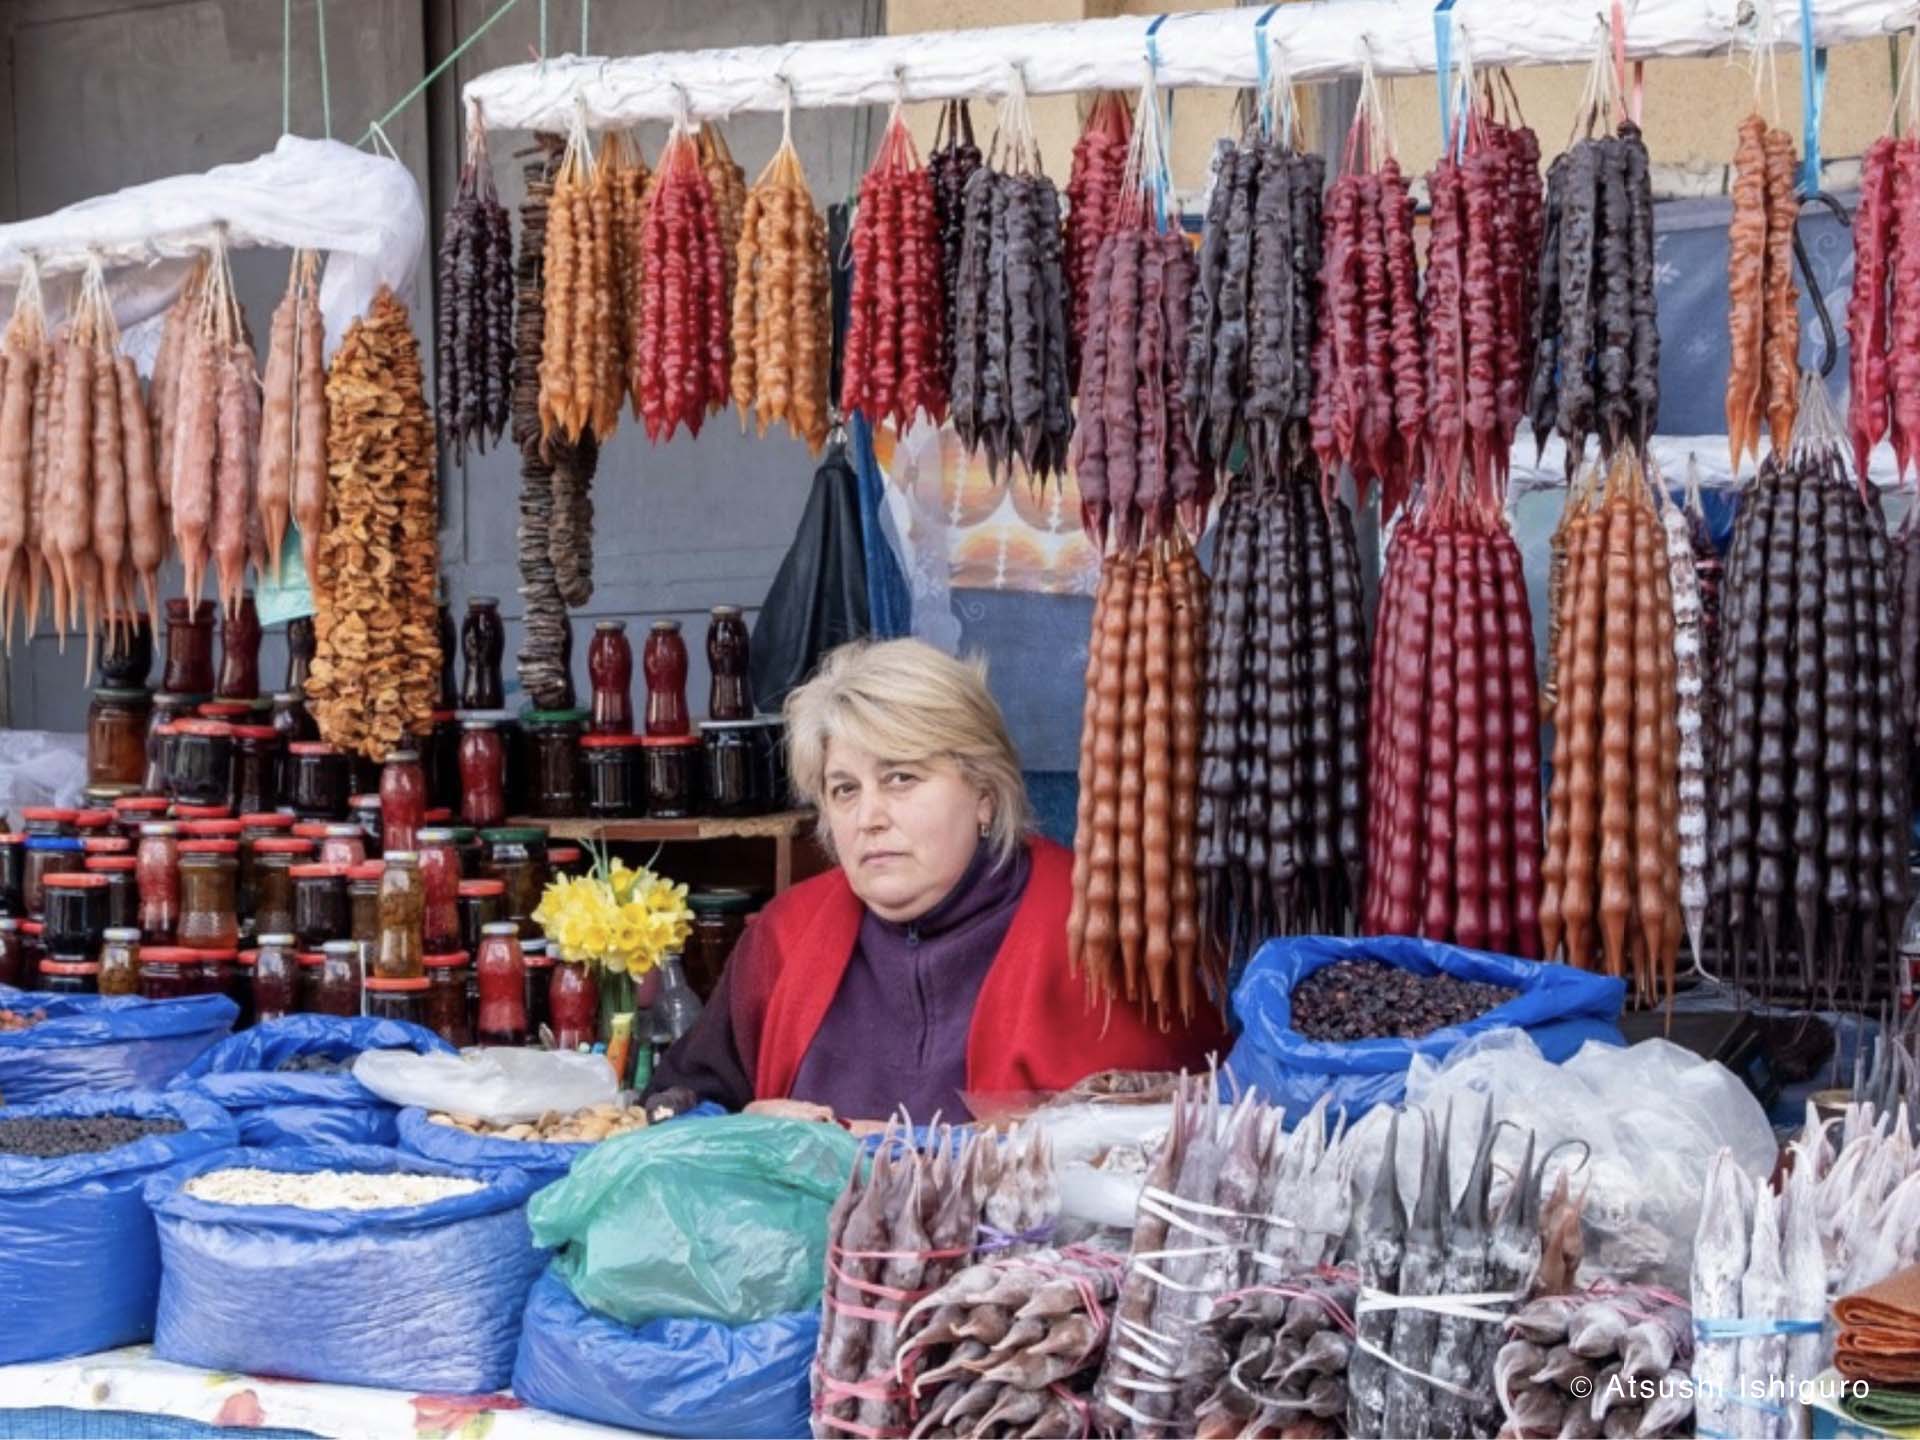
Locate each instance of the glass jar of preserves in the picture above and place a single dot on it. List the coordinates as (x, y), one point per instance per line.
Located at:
(613, 774)
(440, 883)
(117, 723)
(294, 724)
(483, 773)
(665, 663)
(735, 780)
(168, 710)
(309, 963)
(472, 850)
(317, 781)
(216, 971)
(201, 772)
(672, 775)
(166, 973)
(446, 1008)
(566, 860)
(119, 961)
(573, 1000)
(442, 759)
(539, 967)
(402, 917)
(501, 969)
(256, 768)
(517, 857)
(220, 828)
(189, 648)
(555, 789)
(344, 844)
(254, 829)
(320, 910)
(126, 651)
(274, 861)
(719, 919)
(610, 668)
(338, 987)
(70, 977)
(403, 1000)
(130, 812)
(76, 915)
(45, 820)
(13, 968)
(403, 798)
(47, 855)
(157, 867)
(33, 950)
(730, 695)
(363, 899)
(239, 651)
(123, 888)
(482, 903)
(13, 874)
(209, 885)
(365, 812)
(275, 969)
(483, 644)
(302, 643)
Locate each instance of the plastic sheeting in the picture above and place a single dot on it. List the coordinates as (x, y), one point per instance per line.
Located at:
(79, 1263)
(666, 1377)
(98, 1045)
(242, 1075)
(1560, 1007)
(499, 1083)
(426, 1297)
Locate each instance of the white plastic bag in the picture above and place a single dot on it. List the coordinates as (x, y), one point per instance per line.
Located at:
(1101, 1154)
(503, 1086)
(41, 767)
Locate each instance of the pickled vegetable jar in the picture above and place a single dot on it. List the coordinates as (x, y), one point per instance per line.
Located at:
(672, 775)
(517, 857)
(201, 771)
(317, 781)
(157, 867)
(256, 768)
(123, 888)
(502, 1018)
(76, 915)
(276, 978)
(446, 1007)
(117, 723)
(403, 799)
(615, 790)
(209, 875)
(573, 1003)
(404, 1000)
(554, 782)
(440, 880)
(320, 913)
(402, 917)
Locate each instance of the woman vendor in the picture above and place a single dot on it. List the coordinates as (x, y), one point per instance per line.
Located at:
(932, 962)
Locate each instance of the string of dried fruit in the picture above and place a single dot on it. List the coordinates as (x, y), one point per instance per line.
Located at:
(473, 350)
(1877, 229)
(26, 355)
(570, 540)
(1094, 188)
(953, 158)
(631, 184)
(1763, 316)
(892, 367)
(1810, 765)
(376, 667)
(291, 483)
(582, 347)
(782, 311)
(728, 184)
(1690, 674)
(679, 374)
(544, 666)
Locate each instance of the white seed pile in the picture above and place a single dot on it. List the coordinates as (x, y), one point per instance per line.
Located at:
(326, 1189)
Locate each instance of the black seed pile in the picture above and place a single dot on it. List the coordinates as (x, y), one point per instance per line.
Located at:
(1366, 1000)
(48, 1137)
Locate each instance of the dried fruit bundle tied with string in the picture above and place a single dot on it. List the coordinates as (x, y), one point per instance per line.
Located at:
(1763, 311)
(679, 374)
(727, 183)
(950, 163)
(292, 479)
(376, 668)
(782, 305)
(27, 356)
(893, 369)
(906, 1229)
(1095, 189)
(473, 349)
(1809, 757)
(1134, 927)
(1010, 388)
(582, 353)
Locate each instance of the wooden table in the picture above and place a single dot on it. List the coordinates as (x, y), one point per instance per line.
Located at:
(783, 829)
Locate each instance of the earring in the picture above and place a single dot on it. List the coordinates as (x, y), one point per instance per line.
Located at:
(985, 829)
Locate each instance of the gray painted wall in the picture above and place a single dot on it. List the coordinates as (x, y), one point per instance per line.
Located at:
(106, 94)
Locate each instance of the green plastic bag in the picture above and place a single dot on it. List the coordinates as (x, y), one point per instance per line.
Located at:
(720, 1219)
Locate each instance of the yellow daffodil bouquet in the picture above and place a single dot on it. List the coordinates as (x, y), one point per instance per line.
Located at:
(624, 919)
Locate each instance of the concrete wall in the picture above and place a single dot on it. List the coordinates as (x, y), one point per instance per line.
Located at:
(105, 94)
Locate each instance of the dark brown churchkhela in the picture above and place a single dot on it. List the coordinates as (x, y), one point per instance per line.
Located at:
(473, 353)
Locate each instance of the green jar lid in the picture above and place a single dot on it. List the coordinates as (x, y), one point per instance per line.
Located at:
(137, 695)
(515, 835)
(462, 834)
(554, 717)
(719, 901)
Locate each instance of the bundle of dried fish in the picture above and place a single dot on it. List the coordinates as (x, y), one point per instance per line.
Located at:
(1610, 1360)
(1272, 1358)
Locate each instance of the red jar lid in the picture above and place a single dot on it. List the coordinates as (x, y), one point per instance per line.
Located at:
(667, 742)
(226, 709)
(164, 727)
(311, 747)
(212, 829)
(49, 813)
(209, 847)
(367, 870)
(563, 854)
(282, 845)
(310, 957)
(363, 802)
(480, 889)
(106, 844)
(32, 927)
(215, 729)
(206, 955)
(397, 986)
(165, 955)
(64, 967)
(267, 820)
(311, 829)
(112, 864)
(202, 812)
(143, 804)
(17, 837)
(452, 960)
(319, 872)
(534, 960)
(255, 732)
(92, 819)
(612, 742)
(247, 957)
(441, 816)
(68, 880)
(444, 717)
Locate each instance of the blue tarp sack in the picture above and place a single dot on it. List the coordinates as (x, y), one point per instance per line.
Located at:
(421, 1297)
(244, 1074)
(669, 1376)
(1559, 1007)
(94, 1045)
(79, 1264)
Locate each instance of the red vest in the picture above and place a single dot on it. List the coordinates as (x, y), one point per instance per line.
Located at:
(1033, 1029)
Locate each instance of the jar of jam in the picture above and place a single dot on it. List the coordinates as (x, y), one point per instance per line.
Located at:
(613, 773)
(665, 663)
(256, 768)
(317, 780)
(730, 695)
(672, 775)
(201, 772)
(573, 1000)
(483, 644)
(483, 773)
(216, 971)
(13, 874)
(482, 903)
(189, 648)
(45, 820)
(555, 788)
(274, 861)
(539, 967)
(337, 987)
(517, 857)
(76, 915)
(157, 867)
(119, 961)
(275, 969)
(13, 968)
(403, 1000)
(344, 844)
(70, 977)
(735, 779)
(253, 829)
(610, 668)
(130, 812)
(566, 860)
(209, 886)
(719, 920)
(309, 963)
(365, 812)
(446, 1008)
(126, 650)
(240, 651)
(168, 711)
(33, 950)
(501, 968)
(320, 911)
(117, 723)
(294, 724)
(47, 855)
(403, 798)
(440, 880)
(168, 972)
(402, 917)
(123, 889)
(442, 759)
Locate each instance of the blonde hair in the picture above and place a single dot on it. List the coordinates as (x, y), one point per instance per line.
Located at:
(904, 700)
